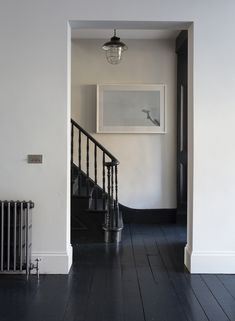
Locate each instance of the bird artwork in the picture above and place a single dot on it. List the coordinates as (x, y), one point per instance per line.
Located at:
(153, 120)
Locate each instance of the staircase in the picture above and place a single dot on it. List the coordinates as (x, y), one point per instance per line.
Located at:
(94, 190)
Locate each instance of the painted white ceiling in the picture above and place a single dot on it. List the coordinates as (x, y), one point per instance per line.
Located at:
(124, 34)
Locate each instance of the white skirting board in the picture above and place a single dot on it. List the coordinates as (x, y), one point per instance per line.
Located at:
(209, 262)
(53, 262)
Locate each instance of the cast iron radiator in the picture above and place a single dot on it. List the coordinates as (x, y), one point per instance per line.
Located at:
(15, 236)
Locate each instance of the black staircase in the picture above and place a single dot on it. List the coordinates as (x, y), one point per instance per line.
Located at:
(94, 185)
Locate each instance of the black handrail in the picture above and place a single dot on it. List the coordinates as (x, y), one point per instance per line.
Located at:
(114, 159)
(109, 179)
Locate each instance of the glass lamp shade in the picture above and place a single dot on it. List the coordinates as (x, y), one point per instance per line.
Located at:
(114, 55)
(114, 49)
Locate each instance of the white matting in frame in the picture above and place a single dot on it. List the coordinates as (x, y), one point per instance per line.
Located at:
(131, 108)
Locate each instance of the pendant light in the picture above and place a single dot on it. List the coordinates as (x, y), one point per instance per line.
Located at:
(114, 49)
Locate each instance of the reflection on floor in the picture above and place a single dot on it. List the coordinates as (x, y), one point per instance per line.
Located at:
(143, 279)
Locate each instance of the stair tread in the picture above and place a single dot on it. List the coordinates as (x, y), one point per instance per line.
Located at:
(95, 211)
(82, 196)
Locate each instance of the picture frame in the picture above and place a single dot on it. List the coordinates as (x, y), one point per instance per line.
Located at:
(131, 108)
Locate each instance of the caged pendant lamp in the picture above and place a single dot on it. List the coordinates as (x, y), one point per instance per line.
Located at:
(114, 49)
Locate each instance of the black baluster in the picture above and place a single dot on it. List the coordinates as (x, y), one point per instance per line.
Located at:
(112, 182)
(107, 215)
(104, 196)
(111, 200)
(116, 196)
(79, 162)
(95, 169)
(116, 184)
(87, 166)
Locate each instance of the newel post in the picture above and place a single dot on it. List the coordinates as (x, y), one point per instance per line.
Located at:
(113, 224)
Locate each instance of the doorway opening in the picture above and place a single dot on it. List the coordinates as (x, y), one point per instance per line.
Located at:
(90, 67)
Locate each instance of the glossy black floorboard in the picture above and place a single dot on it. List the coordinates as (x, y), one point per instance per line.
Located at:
(143, 279)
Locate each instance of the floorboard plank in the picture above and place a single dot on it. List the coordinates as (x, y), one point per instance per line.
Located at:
(17, 292)
(113, 295)
(174, 263)
(96, 304)
(159, 299)
(132, 300)
(51, 299)
(206, 299)
(80, 287)
(229, 282)
(221, 294)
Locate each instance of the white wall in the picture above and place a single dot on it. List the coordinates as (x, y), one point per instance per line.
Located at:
(147, 171)
(34, 119)
(35, 116)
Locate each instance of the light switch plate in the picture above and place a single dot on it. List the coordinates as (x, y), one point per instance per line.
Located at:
(35, 159)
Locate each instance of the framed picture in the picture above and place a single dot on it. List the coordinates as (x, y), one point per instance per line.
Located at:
(131, 109)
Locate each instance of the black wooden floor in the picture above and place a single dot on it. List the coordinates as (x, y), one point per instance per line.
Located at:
(142, 280)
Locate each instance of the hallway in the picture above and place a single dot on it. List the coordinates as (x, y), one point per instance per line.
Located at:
(143, 280)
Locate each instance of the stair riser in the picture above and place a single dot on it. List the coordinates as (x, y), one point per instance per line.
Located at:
(80, 204)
